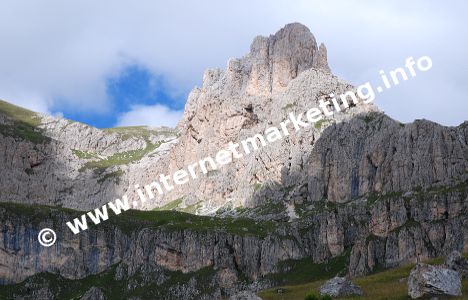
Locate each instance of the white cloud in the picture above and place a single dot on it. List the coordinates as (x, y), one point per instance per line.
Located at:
(151, 115)
(59, 53)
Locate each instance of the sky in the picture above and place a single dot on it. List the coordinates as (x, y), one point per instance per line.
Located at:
(123, 63)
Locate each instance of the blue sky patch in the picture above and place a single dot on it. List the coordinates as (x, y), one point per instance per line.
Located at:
(134, 86)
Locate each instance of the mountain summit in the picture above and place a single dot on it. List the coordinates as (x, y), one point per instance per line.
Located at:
(274, 61)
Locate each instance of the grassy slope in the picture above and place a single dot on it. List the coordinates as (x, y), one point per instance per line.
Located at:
(113, 289)
(294, 272)
(140, 131)
(135, 219)
(122, 158)
(173, 205)
(176, 205)
(25, 123)
(127, 157)
(389, 284)
(180, 220)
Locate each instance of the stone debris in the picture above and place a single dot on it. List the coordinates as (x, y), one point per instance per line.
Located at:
(429, 281)
(340, 287)
(457, 262)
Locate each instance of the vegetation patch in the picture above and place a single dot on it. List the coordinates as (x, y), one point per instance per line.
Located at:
(316, 296)
(310, 208)
(35, 213)
(371, 237)
(122, 158)
(411, 223)
(176, 205)
(289, 105)
(387, 284)
(257, 186)
(320, 123)
(305, 270)
(212, 173)
(420, 194)
(191, 209)
(144, 132)
(84, 154)
(25, 124)
(113, 175)
(461, 187)
(369, 117)
(133, 220)
(373, 198)
(173, 205)
(176, 220)
(269, 208)
(112, 288)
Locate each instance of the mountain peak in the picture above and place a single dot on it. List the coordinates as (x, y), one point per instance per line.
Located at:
(294, 43)
(275, 60)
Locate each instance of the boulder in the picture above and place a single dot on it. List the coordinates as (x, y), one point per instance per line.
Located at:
(428, 281)
(458, 263)
(93, 294)
(226, 278)
(245, 295)
(340, 287)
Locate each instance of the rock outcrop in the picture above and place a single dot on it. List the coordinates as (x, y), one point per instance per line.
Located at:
(431, 281)
(457, 262)
(93, 294)
(340, 287)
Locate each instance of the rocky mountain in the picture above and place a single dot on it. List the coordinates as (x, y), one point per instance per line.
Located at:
(283, 73)
(352, 194)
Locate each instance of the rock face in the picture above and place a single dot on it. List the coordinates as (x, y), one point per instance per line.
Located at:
(284, 73)
(457, 263)
(74, 165)
(378, 155)
(274, 61)
(428, 281)
(414, 229)
(401, 231)
(340, 287)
